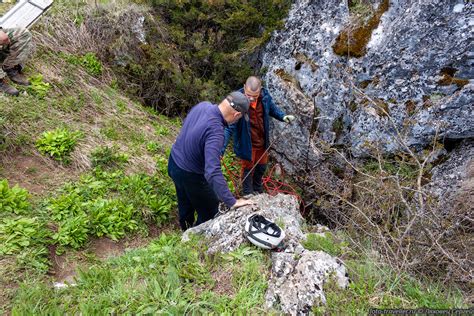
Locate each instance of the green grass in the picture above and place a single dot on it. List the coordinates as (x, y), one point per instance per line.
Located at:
(166, 277)
(327, 243)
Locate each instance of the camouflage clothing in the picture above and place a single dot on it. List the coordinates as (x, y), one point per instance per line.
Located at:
(17, 52)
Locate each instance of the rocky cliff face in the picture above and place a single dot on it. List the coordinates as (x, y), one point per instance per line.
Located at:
(413, 82)
(398, 75)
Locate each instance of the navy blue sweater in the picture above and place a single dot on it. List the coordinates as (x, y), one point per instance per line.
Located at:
(198, 146)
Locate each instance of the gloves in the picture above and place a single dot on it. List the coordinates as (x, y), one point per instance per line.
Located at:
(288, 118)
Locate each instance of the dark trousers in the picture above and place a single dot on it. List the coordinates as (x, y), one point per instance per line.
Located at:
(194, 194)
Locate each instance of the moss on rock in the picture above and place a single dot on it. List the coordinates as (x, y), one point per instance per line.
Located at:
(353, 39)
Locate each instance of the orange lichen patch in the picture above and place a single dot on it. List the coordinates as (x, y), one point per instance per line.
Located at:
(427, 102)
(353, 39)
(364, 84)
(382, 108)
(449, 79)
(410, 106)
(303, 59)
(288, 78)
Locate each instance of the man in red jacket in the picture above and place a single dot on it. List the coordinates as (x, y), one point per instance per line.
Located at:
(251, 138)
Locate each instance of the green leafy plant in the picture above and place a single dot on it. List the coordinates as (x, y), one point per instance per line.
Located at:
(162, 164)
(105, 203)
(162, 130)
(72, 232)
(111, 217)
(230, 166)
(154, 147)
(58, 144)
(89, 62)
(108, 157)
(13, 200)
(18, 233)
(38, 87)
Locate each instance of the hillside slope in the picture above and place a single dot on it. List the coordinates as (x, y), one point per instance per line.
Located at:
(87, 211)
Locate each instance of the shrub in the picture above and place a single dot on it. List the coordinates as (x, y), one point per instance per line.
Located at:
(19, 233)
(58, 144)
(108, 157)
(111, 217)
(38, 87)
(13, 200)
(199, 50)
(89, 62)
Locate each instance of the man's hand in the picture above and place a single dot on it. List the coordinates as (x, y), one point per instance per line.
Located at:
(4, 39)
(242, 202)
(288, 118)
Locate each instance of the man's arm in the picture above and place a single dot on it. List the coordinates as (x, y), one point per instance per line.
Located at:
(212, 169)
(275, 111)
(228, 132)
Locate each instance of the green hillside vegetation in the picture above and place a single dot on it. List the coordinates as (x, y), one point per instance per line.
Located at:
(84, 194)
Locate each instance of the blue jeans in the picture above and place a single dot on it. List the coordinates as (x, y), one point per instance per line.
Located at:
(194, 195)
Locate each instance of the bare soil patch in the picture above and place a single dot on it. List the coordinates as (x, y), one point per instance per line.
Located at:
(34, 172)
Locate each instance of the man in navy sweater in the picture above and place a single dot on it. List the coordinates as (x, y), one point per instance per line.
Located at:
(194, 163)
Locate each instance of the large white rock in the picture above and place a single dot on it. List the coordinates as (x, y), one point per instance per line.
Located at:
(298, 275)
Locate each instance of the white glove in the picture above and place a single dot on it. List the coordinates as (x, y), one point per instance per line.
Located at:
(288, 118)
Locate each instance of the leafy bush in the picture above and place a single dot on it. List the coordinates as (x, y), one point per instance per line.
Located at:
(13, 200)
(19, 233)
(89, 62)
(38, 87)
(199, 50)
(72, 232)
(58, 143)
(111, 218)
(110, 204)
(108, 157)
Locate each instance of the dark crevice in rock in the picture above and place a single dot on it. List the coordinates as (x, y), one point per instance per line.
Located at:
(450, 144)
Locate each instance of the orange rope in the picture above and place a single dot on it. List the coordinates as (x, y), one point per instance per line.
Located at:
(271, 185)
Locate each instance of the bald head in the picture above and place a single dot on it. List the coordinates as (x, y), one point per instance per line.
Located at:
(253, 84)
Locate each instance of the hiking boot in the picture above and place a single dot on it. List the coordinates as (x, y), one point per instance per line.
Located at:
(16, 76)
(6, 88)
